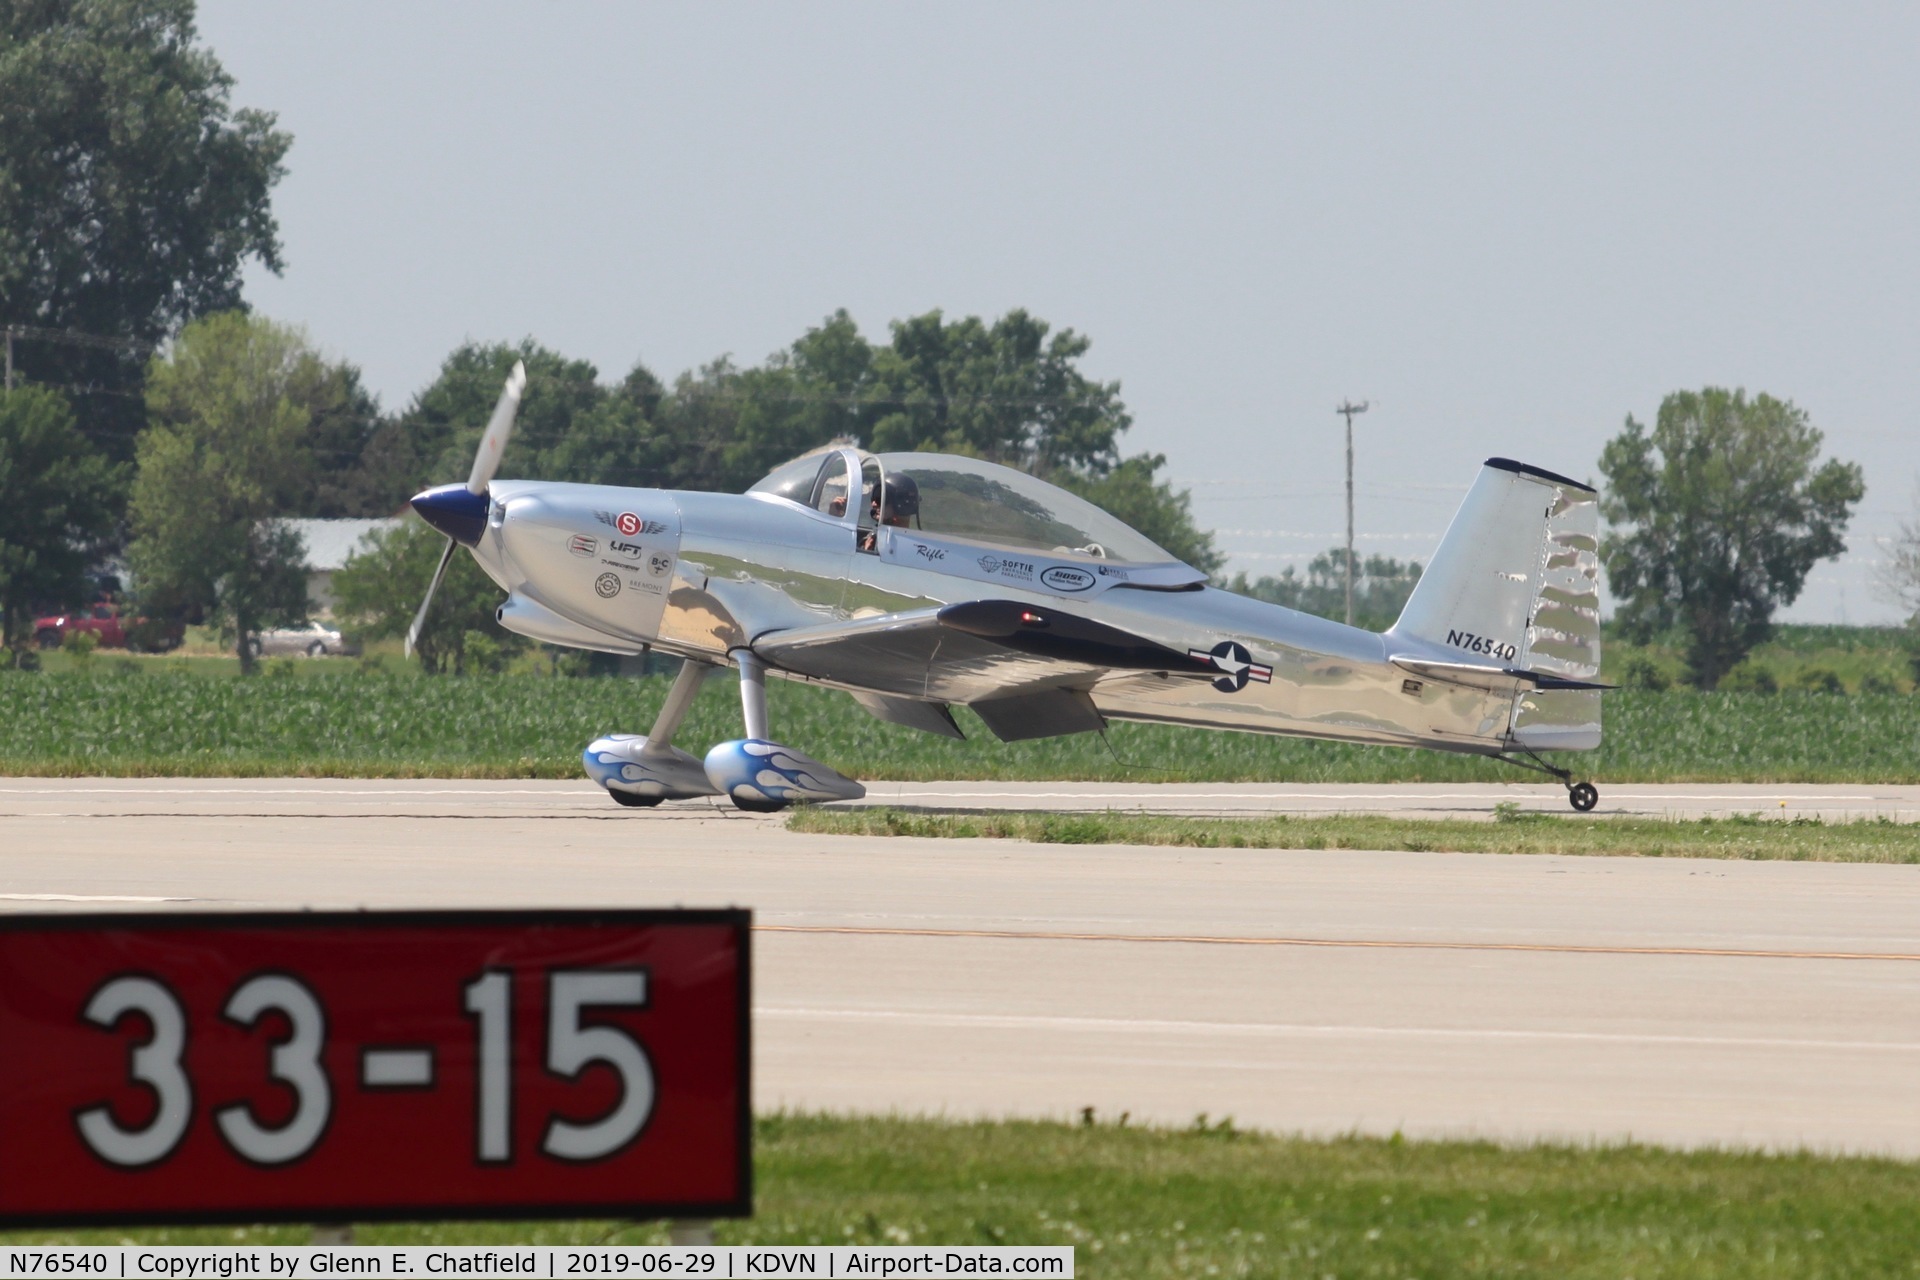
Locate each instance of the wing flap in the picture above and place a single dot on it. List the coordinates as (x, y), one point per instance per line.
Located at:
(928, 717)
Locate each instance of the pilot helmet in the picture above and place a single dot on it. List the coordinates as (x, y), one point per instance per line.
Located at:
(902, 497)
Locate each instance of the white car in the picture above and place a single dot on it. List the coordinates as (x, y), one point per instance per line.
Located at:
(309, 640)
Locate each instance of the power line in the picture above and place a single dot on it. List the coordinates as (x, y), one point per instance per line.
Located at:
(72, 338)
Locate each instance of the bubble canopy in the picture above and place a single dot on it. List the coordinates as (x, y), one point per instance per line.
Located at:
(974, 501)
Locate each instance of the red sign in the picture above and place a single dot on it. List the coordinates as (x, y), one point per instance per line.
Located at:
(357, 1066)
(628, 523)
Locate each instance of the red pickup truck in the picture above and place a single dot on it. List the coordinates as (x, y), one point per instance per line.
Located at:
(104, 621)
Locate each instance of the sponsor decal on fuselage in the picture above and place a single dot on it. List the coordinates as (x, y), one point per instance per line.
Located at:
(1019, 570)
(1235, 664)
(659, 563)
(581, 545)
(1066, 578)
(607, 586)
(926, 552)
(629, 523)
(631, 550)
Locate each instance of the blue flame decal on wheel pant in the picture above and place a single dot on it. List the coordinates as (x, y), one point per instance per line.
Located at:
(756, 769)
(620, 762)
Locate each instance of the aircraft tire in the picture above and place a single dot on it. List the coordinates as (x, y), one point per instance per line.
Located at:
(627, 800)
(1583, 796)
(760, 806)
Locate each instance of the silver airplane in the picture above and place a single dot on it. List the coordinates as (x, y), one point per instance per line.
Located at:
(917, 581)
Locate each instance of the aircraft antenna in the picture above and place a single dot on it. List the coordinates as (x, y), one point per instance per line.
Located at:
(1346, 410)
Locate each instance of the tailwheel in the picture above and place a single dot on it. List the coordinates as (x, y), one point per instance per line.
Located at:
(627, 799)
(1583, 796)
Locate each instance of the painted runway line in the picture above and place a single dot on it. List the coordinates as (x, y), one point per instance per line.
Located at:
(1387, 944)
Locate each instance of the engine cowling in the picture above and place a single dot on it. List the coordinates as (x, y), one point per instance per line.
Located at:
(537, 622)
(585, 565)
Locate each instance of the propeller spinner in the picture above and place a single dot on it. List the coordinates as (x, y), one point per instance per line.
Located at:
(460, 510)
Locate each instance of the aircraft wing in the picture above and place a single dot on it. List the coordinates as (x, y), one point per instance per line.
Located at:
(977, 652)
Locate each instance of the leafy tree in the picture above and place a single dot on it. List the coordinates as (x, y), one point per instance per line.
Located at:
(613, 441)
(698, 445)
(342, 475)
(60, 499)
(569, 427)
(1899, 573)
(231, 404)
(1130, 491)
(723, 427)
(131, 191)
(1004, 392)
(1009, 391)
(381, 588)
(1899, 577)
(1380, 588)
(1718, 515)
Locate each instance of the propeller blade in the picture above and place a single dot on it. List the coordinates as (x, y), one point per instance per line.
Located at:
(494, 442)
(420, 618)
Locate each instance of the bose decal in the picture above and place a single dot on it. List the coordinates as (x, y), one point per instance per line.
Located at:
(1062, 578)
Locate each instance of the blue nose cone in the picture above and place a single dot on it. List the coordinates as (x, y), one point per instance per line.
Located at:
(455, 512)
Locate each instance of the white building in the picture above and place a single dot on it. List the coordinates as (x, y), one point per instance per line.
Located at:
(330, 544)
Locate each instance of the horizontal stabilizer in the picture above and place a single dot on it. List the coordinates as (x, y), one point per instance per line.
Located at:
(1541, 680)
(1497, 679)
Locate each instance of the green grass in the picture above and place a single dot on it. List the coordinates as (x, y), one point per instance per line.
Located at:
(339, 718)
(1853, 654)
(1751, 838)
(1216, 1201)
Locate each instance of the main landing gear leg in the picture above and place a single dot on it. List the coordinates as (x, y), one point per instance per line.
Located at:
(686, 687)
(757, 773)
(753, 714)
(753, 693)
(640, 772)
(1581, 795)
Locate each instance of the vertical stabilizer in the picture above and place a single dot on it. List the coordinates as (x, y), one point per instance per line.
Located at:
(1515, 582)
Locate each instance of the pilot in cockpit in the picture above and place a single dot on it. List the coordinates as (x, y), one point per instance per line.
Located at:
(897, 505)
(901, 502)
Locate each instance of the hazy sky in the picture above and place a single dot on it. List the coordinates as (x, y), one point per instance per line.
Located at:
(1509, 226)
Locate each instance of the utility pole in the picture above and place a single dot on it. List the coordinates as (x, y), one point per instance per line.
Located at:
(1346, 410)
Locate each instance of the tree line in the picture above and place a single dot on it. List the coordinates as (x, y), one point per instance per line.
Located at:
(149, 413)
(248, 425)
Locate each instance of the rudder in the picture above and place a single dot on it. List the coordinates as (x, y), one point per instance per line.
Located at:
(1515, 584)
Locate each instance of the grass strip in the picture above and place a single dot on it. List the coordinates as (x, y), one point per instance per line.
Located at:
(337, 718)
(1805, 839)
(1214, 1200)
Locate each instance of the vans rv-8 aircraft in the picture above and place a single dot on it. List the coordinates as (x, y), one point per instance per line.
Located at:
(915, 581)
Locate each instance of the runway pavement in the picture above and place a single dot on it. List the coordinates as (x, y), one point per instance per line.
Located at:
(1668, 1000)
(463, 798)
(1421, 800)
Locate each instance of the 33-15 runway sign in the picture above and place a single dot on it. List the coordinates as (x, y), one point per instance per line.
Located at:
(355, 1066)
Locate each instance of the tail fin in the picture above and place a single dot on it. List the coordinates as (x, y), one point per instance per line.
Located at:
(1515, 582)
